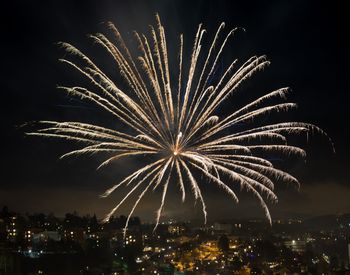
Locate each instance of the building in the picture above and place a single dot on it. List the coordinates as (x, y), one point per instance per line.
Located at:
(296, 245)
(176, 229)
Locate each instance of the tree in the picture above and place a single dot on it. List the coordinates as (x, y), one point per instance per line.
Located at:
(223, 243)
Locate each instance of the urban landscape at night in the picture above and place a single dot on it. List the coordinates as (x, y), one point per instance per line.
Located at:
(202, 137)
(45, 244)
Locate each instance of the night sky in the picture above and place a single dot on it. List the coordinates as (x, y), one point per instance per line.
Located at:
(305, 41)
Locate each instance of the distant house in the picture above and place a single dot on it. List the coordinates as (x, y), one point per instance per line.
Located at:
(176, 229)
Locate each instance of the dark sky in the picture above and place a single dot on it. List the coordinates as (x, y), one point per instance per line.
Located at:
(305, 40)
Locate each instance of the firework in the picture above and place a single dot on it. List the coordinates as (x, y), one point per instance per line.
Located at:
(179, 126)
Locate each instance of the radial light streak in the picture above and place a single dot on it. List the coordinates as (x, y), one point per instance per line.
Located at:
(178, 125)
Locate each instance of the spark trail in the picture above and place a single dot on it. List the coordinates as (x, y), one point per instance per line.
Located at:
(179, 126)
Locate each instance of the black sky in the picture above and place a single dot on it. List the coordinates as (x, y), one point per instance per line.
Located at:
(305, 40)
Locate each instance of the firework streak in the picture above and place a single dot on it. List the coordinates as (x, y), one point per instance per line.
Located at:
(178, 126)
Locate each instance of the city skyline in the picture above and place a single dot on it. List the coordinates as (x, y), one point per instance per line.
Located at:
(35, 242)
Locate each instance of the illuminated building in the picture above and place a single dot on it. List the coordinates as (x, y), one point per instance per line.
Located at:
(176, 229)
(12, 231)
(295, 245)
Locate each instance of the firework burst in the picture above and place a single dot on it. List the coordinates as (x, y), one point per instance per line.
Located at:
(178, 126)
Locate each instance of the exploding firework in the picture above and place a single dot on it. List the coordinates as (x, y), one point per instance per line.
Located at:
(179, 126)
